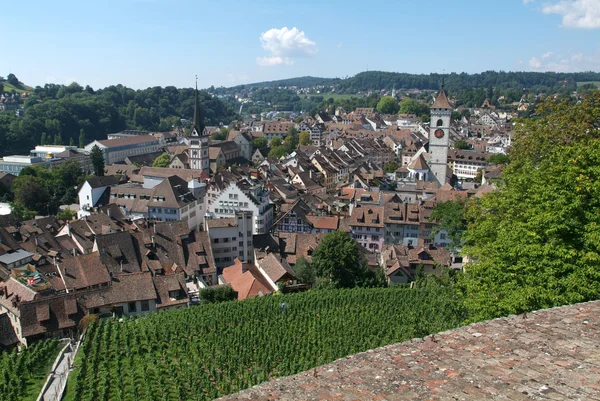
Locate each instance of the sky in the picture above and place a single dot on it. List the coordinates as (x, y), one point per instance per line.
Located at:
(145, 43)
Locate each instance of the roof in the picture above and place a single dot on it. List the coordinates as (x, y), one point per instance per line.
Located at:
(418, 164)
(276, 268)
(124, 288)
(221, 223)
(441, 101)
(366, 216)
(8, 337)
(545, 355)
(324, 222)
(246, 280)
(171, 282)
(104, 181)
(50, 314)
(164, 172)
(130, 140)
(118, 252)
(83, 271)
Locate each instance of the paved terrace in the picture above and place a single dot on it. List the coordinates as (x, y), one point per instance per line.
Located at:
(553, 354)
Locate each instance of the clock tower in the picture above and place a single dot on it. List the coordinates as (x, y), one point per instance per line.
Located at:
(198, 142)
(439, 137)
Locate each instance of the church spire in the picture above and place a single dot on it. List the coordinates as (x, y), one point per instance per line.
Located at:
(198, 123)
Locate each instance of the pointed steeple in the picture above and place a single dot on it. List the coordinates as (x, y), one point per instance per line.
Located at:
(198, 123)
(441, 100)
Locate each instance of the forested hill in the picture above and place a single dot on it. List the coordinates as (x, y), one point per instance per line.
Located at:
(58, 114)
(376, 80)
(301, 82)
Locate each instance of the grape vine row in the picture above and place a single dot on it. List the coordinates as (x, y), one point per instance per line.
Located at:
(209, 351)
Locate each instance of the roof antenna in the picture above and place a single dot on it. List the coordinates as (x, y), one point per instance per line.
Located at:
(196, 82)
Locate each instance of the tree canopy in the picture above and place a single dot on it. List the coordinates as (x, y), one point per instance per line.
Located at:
(162, 161)
(338, 262)
(388, 105)
(535, 243)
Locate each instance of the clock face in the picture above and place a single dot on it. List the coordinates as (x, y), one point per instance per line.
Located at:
(439, 133)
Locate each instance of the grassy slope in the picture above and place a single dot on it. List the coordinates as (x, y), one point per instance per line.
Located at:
(9, 87)
(596, 83)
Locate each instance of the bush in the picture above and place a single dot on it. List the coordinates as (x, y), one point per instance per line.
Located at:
(216, 294)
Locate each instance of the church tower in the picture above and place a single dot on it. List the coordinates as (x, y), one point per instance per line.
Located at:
(198, 148)
(439, 136)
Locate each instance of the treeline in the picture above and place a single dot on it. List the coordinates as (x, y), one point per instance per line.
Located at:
(67, 114)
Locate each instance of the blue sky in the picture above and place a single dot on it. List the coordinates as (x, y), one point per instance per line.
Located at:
(143, 43)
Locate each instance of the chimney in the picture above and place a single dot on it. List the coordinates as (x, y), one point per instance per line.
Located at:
(154, 229)
(108, 212)
(153, 241)
(121, 265)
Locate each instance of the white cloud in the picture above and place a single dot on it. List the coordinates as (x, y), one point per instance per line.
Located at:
(551, 61)
(547, 54)
(274, 60)
(534, 62)
(283, 45)
(584, 14)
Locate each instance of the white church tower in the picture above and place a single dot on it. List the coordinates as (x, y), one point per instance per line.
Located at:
(439, 137)
(198, 148)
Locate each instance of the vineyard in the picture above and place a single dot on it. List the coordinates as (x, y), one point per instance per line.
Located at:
(22, 374)
(213, 350)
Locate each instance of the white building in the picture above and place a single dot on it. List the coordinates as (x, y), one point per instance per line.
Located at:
(117, 150)
(253, 199)
(91, 193)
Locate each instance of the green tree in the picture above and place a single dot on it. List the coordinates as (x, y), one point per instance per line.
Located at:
(498, 158)
(391, 167)
(31, 193)
(388, 105)
(411, 106)
(461, 144)
(66, 215)
(304, 138)
(449, 216)
(292, 130)
(275, 142)
(44, 139)
(278, 151)
(338, 260)
(162, 160)
(13, 80)
(305, 272)
(291, 142)
(97, 157)
(260, 143)
(82, 138)
(535, 243)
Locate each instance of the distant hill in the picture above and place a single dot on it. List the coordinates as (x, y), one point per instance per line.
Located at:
(302, 82)
(377, 80)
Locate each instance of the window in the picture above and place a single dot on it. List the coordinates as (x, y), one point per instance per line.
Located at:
(439, 123)
(145, 306)
(132, 307)
(442, 236)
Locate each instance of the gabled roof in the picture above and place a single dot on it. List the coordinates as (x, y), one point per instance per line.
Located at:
(418, 164)
(246, 280)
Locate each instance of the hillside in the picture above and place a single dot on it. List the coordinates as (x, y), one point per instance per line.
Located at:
(212, 350)
(301, 82)
(376, 80)
(22, 88)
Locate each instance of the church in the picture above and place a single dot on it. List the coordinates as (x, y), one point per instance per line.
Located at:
(198, 142)
(433, 164)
